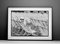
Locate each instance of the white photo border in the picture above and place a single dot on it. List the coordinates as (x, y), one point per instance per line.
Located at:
(30, 38)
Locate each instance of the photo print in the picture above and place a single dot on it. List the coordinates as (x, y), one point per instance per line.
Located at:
(30, 23)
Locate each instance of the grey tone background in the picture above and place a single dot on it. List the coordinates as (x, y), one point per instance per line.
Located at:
(55, 4)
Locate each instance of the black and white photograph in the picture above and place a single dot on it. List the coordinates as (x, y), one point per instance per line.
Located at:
(30, 23)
